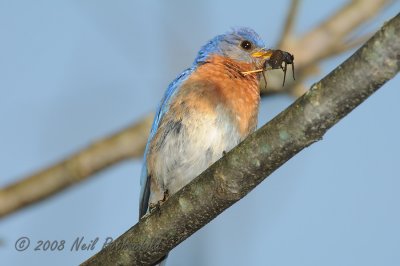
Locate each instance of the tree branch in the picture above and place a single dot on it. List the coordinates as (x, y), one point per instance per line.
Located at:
(243, 168)
(130, 142)
(125, 144)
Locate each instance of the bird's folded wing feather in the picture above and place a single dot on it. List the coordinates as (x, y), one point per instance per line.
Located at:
(162, 109)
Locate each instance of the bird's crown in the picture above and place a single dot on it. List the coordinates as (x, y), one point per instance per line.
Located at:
(237, 44)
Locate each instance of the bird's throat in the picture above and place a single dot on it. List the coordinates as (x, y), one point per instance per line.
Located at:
(239, 93)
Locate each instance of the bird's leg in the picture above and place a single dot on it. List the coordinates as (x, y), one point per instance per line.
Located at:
(153, 206)
(166, 195)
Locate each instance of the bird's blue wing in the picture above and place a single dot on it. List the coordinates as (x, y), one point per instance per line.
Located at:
(161, 110)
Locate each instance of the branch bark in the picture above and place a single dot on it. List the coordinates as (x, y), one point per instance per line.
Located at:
(130, 142)
(243, 168)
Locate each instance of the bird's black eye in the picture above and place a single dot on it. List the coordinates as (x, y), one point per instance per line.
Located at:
(246, 45)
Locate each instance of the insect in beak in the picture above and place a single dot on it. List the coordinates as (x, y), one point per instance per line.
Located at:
(274, 59)
(280, 59)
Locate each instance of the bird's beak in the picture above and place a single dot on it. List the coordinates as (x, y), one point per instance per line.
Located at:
(262, 54)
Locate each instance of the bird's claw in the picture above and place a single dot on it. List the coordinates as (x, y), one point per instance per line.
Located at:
(154, 206)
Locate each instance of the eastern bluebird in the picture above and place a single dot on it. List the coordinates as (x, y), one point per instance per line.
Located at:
(206, 111)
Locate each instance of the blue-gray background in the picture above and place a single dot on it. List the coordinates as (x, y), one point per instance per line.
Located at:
(75, 71)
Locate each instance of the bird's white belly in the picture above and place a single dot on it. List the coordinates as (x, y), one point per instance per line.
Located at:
(188, 153)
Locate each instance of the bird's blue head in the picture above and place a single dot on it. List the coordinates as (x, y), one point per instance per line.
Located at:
(240, 44)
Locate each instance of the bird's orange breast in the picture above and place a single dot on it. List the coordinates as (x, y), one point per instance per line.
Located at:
(238, 93)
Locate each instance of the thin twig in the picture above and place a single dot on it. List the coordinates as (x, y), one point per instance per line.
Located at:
(287, 32)
(346, 46)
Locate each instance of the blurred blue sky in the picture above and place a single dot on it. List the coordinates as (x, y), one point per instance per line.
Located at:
(75, 71)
